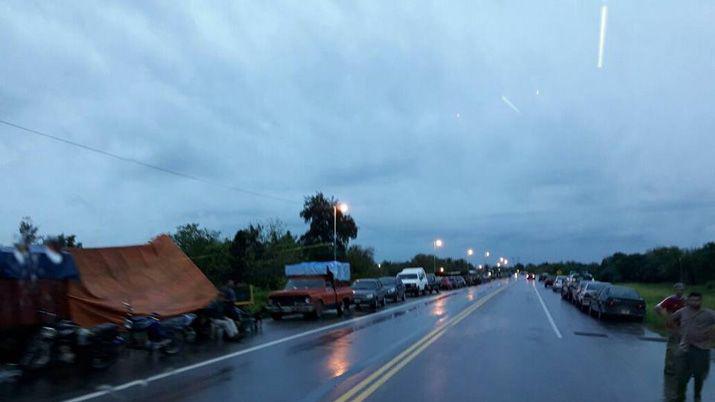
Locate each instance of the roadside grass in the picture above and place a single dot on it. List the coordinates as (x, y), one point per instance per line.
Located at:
(653, 293)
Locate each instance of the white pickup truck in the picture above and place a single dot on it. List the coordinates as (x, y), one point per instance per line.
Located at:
(415, 280)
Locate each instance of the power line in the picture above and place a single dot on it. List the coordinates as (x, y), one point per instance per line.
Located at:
(144, 164)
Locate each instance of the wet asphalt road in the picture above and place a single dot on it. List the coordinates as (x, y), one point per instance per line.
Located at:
(492, 342)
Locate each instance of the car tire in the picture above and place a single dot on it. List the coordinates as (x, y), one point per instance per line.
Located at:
(276, 316)
(339, 309)
(318, 313)
(383, 303)
(404, 297)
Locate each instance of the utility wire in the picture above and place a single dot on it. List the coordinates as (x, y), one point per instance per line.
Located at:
(144, 164)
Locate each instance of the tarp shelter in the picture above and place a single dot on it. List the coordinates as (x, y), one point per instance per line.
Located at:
(340, 270)
(31, 281)
(154, 278)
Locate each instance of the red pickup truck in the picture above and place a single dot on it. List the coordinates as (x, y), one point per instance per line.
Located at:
(310, 296)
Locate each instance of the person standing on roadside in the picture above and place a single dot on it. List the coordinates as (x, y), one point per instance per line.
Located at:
(666, 308)
(697, 333)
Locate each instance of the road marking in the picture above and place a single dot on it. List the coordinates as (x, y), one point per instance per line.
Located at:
(146, 381)
(546, 310)
(365, 388)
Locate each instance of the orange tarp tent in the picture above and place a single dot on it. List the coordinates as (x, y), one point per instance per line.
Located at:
(154, 278)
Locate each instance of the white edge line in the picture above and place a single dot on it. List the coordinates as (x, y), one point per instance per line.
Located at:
(546, 310)
(156, 377)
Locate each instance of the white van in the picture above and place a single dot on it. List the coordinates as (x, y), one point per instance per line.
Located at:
(415, 280)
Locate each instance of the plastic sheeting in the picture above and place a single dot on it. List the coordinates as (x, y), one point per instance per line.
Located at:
(40, 263)
(154, 278)
(33, 282)
(340, 270)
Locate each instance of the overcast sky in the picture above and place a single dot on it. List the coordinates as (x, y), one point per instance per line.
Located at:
(484, 123)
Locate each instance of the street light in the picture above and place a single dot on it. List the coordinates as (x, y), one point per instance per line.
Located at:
(343, 208)
(470, 252)
(437, 244)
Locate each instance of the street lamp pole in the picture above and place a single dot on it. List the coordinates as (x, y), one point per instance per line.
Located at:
(436, 244)
(343, 209)
(335, 232)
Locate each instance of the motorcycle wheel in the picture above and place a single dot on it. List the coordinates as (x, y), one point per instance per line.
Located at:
(173, 347)
(38, 356)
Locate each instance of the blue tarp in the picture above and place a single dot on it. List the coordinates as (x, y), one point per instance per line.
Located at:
(40, 263)
(340, 270)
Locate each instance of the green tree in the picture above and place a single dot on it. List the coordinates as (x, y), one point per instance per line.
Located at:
(318, 212)
(206, 249)
(246, 248)
(28, 231)
(362, 262)
(67, 241)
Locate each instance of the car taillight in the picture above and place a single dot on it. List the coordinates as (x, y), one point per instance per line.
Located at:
(641, 306)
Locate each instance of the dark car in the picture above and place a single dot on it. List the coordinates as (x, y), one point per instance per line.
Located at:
(461, 281)
(394, 287)
(576, 290)
(588, 293)
(548, 281)
(369, 292)
(445, 283)
(569, 285)
(529, 276)
(618, 301)
(432, 284)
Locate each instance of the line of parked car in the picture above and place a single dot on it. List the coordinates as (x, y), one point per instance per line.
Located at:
(311, 295)
(598, 299)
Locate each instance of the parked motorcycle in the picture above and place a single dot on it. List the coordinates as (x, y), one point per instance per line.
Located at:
(151, 333)
(65, 342)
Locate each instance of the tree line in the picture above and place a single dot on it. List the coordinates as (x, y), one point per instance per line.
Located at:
(663, 264)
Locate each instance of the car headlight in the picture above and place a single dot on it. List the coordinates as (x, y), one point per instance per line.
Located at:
(307, 300)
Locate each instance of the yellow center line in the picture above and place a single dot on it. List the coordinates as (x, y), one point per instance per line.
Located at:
(401, 360)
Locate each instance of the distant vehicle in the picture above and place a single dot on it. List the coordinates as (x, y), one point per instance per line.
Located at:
(369, 292)
(415, 280)
(548, 281)
(394, 287)
(558, 283)
(529, 276)
(618, 301)
(577, 289)
(541, 277)
(445, 283)
(460, 281)
(588, 293)
(309, 292)
(569, 286)
(432, 283)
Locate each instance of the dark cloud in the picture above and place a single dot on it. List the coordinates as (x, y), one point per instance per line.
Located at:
(395, 108)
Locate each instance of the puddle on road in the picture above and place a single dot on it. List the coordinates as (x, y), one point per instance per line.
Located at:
(336, 335)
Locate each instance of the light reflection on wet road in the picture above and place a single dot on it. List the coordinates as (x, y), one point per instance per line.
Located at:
(504, 351)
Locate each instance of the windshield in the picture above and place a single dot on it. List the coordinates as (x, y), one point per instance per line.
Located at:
(364, 285)
(624, 293)
(387, 281)
(304, 284)
(407, 276)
